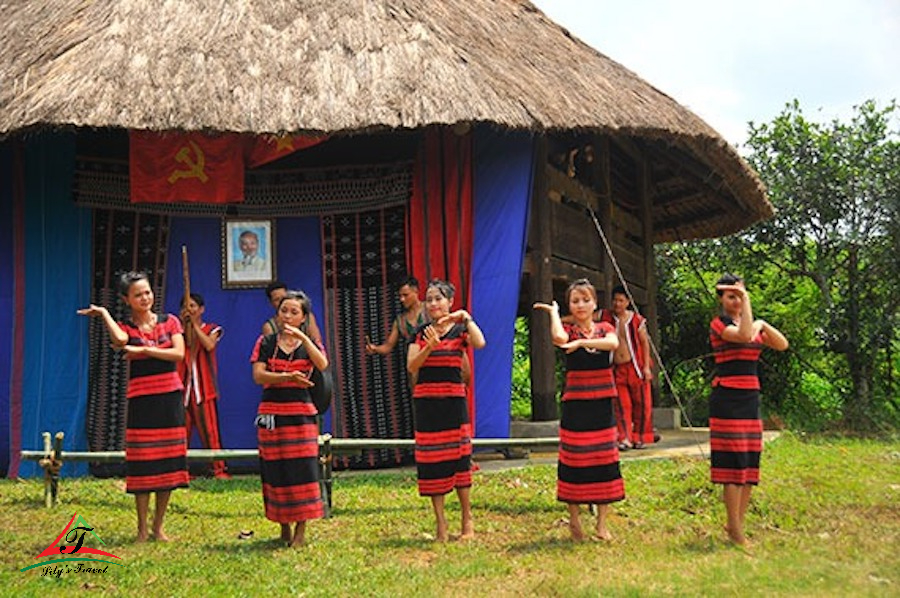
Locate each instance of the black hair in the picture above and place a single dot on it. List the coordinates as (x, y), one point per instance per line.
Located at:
(581, 283)
(619, 290)
(197, 298)
(129, 278)
(274, 286)
(729, 279)
(301, 297)
(444, 287)
(410, 282)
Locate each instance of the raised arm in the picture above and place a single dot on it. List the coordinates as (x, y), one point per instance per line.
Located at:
(771, 336)
(557, 332)
(743, 332)
(416, 355)
(118, 336)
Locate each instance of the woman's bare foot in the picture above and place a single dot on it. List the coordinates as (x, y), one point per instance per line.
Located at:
(575, 529)
(299, 538)
(603, 534)
(442, 534)
(142, 537)
(737, 537)
(160, 536)
(468, 531)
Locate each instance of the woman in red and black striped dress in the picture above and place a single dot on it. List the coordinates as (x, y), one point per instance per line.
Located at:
(735, 427)
(287, 431)
(442, 431)
(588, 470)
(155, 438)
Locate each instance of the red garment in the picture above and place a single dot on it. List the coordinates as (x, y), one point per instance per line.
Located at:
(588, 469)
(588, 373)
(735, 362)
(155, 441)
(442, 425)
(147, 375)
(634, 406)
(199, 372)
(634, 401)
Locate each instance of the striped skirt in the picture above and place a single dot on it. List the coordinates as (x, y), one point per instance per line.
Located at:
(588, 470)
(155, 444)
(443, 445)
(289, 466)
(735, 436)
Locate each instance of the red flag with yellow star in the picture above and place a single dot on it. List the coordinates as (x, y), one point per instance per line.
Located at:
(266, 148)
(186, 167)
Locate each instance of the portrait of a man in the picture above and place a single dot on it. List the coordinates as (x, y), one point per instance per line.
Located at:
(247, 259)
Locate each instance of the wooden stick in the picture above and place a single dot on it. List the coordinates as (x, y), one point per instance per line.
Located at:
(186, 279)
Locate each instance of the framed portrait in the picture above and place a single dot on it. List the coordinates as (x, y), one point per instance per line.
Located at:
(248, 253)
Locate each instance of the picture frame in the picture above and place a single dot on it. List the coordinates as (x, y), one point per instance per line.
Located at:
(248, 253)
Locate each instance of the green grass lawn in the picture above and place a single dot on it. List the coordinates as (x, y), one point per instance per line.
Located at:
(824, 522)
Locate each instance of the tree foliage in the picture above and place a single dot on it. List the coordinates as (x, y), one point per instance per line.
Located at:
(824, 269)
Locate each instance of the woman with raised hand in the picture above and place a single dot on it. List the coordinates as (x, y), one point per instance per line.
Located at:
(155, 437)
(735, 426)
(287, 431)
(588, 470)
(442, 430)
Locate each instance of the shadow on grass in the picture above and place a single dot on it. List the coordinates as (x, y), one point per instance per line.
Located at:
(338, 511)
(543, 544)
(263, 544)
(405, 543)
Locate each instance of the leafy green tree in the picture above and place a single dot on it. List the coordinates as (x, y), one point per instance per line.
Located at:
(836, 189)
(825, 270)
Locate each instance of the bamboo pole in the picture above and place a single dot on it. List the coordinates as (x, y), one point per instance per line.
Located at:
(339, 446)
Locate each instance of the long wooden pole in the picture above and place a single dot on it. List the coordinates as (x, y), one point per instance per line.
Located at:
(186, 279)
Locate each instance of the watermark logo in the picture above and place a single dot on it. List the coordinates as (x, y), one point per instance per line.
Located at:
(70, 547)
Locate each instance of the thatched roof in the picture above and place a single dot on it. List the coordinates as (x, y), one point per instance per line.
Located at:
(350, 66)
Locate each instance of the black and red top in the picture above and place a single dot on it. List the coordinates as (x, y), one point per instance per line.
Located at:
(283, 398)
(149, 375)
(589, 373)
(735, 362)
(440, 376)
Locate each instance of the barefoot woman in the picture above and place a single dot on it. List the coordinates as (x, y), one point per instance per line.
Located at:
(155, 438)
(442, 430)
(735, 428)
(287, 433)
(588, 455)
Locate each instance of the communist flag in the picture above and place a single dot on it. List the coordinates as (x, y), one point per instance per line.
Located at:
(186, 167)
(263, 149)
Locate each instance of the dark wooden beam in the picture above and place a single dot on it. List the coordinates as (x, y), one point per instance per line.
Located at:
(543, 359)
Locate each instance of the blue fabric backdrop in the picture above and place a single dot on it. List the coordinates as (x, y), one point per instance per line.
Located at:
(57, 282)
(503, 182)
(6, 297)
(241, 312)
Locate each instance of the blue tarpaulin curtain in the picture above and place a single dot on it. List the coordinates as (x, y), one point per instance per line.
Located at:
(502, 188)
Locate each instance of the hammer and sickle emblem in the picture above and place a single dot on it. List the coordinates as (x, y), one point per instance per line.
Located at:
(195, 167)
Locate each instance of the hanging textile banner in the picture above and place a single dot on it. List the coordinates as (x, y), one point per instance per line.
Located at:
(440, 223)
(187, 167)
(195, 167)
(263, 149)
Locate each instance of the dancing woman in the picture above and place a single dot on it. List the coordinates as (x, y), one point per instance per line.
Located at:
(588, 470)
(155, 437)
(442, 430)
(287, 431)
(735, 427)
